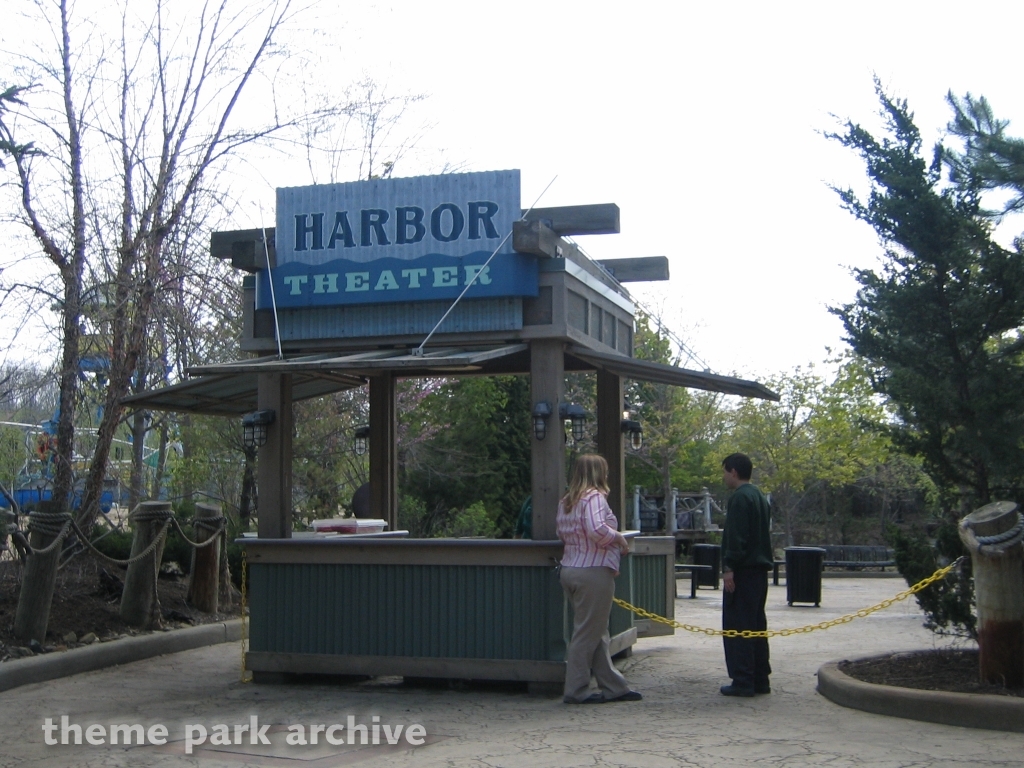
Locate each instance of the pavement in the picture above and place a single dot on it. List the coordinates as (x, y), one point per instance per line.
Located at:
(682, 721)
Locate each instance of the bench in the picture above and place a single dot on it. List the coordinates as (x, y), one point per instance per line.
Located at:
(858, 556)
(682, 568)
(849, 556)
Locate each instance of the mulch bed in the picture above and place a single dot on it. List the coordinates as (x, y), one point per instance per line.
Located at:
(87, 599)
(953, 670)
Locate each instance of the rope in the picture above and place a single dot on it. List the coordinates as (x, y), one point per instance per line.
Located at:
(748, 633)
(156, 542)
(245, 614)
(215, 524)
(1006, 537)
(56, 524)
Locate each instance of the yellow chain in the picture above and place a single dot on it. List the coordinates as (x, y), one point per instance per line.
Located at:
(939, 574)
(246, 678)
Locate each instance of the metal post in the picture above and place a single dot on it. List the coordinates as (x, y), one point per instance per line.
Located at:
(670, 513)
(636, 508)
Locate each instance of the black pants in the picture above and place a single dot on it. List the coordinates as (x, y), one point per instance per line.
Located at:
(746, 659)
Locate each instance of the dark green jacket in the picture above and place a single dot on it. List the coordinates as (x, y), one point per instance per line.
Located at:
(746, 541)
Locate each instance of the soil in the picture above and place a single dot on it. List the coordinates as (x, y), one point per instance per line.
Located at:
(953, 670)
(87, 599)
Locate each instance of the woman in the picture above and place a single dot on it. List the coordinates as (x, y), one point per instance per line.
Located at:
(590, 564)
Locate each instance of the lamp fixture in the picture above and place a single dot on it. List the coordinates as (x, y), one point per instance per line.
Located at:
(576, 416)
(636, 433)
(254, 428)
(362, 441)
(541, 414)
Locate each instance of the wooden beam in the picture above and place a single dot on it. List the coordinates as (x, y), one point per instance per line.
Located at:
(600, 219)
(536, 238)
(244, 247)
(637, 270)
(610, 396)
(547, 456)
(384, 449)
(274, 462)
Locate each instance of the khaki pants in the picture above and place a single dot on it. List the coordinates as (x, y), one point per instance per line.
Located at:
(590, 590)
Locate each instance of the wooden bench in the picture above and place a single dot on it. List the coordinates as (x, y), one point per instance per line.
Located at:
(682, 568)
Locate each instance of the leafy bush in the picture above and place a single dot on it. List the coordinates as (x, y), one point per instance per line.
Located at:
(948, 604)
(474, 520)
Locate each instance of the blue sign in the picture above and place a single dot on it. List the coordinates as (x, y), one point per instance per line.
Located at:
(387, 240)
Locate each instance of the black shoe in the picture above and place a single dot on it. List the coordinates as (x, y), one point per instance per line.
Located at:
(762, 689)
(732, 690)
(594, 698)
(627, 696)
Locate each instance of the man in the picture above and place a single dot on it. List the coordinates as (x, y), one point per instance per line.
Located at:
(746, 559)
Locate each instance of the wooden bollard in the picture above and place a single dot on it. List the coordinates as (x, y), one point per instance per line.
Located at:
(998, 590)
(204, 583)
(140, 606)
(37, 583)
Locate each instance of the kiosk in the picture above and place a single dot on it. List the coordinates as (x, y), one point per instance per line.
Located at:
(362, 284)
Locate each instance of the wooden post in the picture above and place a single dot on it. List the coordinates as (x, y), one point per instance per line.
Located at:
(547, 457)
(384, 449)
(998, 590)
(37, 584)
(140, 604)
(610, 397)
(204, 582)
(274, 460)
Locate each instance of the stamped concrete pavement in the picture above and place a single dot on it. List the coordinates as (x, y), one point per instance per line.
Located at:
(682, 721)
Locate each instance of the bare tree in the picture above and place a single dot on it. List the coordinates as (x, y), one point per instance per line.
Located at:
(108, 146)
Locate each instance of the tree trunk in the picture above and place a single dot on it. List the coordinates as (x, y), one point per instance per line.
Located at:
(161, 462)
(140, 605)
(137, 483)
(204, 583)
(37, 584)
(999, 590)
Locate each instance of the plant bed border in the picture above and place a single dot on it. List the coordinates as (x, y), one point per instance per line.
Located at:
(51, 666)
(969, 710)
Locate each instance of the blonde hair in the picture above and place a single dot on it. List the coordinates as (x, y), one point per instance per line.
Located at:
(589, 472)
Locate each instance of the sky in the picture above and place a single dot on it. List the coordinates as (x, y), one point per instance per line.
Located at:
(704, 122)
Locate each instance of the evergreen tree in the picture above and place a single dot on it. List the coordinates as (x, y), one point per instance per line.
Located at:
(938, 324)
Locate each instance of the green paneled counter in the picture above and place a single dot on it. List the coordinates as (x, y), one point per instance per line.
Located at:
(485, 609)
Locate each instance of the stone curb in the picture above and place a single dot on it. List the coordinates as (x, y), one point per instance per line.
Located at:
(970, 710)
(128, 649)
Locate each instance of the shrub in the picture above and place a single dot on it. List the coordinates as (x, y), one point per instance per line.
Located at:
(948, 604)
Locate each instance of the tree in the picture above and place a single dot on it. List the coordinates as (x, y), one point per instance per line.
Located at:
(108, 148)
(152, 107)
(818, 435)
(938, 324)
(681, 427)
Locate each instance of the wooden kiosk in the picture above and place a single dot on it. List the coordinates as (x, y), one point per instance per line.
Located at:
(348, 291)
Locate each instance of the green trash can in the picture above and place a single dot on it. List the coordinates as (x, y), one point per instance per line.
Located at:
(708, 554)
(803, 574)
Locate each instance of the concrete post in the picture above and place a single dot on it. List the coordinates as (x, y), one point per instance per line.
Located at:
(993, 535)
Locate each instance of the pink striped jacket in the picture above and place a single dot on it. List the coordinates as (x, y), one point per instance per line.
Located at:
(588, 532)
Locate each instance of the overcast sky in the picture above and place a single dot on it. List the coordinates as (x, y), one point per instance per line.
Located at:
(702, 121)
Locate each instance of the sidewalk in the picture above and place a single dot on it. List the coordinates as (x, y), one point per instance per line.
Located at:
(681, 721)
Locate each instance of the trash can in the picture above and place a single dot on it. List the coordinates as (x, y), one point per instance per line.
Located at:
(803, 574)
(707, 554)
